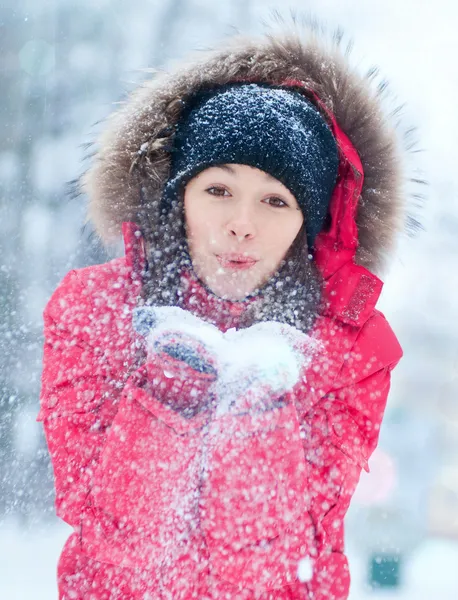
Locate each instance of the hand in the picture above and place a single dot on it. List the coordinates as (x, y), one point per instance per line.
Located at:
(179, 349)
(260, 365)
(252, 368)
(181, 367)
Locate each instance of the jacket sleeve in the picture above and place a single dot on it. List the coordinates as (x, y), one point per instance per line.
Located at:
(112, 438)
(342, 428)
(339, 435)
(79, 396)
(340, 432)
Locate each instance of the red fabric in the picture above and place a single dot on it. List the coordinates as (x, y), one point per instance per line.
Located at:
(335, 249)
(122, 459)
(165, 506)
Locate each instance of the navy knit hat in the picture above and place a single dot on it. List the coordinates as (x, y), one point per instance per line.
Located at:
(273, 129)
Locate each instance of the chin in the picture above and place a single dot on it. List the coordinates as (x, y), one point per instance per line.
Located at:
(230, 290)
(229, 285)
(230, 294)
(234, 297)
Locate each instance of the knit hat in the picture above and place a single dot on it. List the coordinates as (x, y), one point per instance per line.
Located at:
(274, 129)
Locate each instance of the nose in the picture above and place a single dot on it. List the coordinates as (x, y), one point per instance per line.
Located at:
(241, 233)
(241, 226)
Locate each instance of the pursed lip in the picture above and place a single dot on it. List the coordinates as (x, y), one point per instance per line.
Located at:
(236, 261)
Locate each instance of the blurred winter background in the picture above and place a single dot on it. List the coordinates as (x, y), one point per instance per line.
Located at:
(63, 65)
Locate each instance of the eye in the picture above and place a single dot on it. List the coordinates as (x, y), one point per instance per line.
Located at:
(275, 201)
(214, 190)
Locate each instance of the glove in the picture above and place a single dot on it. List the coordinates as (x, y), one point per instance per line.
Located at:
(252, 368)
(260, 364)
(180, 366)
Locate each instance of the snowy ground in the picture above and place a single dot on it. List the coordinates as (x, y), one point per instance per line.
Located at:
(28, 562)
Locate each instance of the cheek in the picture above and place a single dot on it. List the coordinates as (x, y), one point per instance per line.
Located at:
(200, 230)
(280, 238)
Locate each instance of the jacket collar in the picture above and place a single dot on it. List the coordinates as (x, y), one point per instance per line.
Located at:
(201, 301)
(351, 291)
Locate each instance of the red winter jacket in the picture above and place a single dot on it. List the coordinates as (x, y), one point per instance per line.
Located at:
(149, 521)
(127, 467)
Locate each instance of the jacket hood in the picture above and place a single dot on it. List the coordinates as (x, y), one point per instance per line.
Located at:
(132, 150)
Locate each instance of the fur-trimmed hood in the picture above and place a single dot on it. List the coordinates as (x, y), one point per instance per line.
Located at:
(132, 150)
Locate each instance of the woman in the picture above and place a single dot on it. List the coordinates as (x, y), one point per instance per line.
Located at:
(210, 399)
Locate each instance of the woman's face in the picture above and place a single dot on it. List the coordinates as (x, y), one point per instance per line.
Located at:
(240, 223)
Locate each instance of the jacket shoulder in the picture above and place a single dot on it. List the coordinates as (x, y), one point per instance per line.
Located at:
(378, 339)
(86, 292)
(376, 348)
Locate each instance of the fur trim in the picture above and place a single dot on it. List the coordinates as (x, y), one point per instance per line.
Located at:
(133, 154)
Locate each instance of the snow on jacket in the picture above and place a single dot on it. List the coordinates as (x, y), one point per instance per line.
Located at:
(149, 521)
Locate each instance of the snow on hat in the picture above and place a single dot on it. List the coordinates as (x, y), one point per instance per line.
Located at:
(273, 129)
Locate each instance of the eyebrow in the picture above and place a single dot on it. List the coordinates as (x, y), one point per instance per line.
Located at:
(231, 170)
